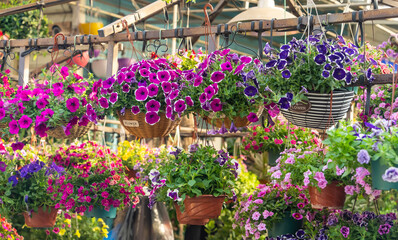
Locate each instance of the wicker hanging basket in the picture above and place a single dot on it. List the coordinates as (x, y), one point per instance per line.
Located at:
(238, 121)
(136, 125)
(321, 111)
(41, 218)
(76, 131)
(199, 210)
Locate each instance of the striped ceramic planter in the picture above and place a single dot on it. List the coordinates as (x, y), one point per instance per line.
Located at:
(318, 112)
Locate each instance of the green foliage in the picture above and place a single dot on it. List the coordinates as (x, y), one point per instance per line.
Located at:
(23, 25)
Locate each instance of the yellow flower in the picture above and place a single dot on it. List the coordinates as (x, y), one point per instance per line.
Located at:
(79, 217)
(96, 229)
(67, 221)
(62, 231)
(77, 233)
(101, 221)
(105, 232)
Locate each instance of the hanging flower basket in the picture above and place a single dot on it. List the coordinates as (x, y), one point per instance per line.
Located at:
(199, 210)
(238, 121)
(137, 126)
(332, 196)
(288, 225)
(41, 218)
(75, 132)
(318, 112)
(378, 170)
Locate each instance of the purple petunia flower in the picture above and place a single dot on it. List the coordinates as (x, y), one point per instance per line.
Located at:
(210, 92)
(271, 64)
(13, 125)
(126, 88)
(135, 110)
(325, 74)
(2, 113)
(284, 102)
(345, 231)
(141, 94)
(267, 49)
(174, 94)
(217, 76)
(173, 195)
(108, 83)
(104, 102)
(202, 98)
(113, 98)
(384, 229)
(250, 91)
(72, 104)
(320, 59)
(153, 90)
(152, 106)
(25, 121)
(286, 74)
(180, 106)
(3, 165)
(284, 54)
(198, 80)
(189, 101)
(163, 76)
(282, 64)
(339, 74)
(41, 129)
(391, 175)
(233, 128)
(327, 67)
(152, 118)
(252, 117)
(169, 112)
(223, 130)
(17, 146)
(227, 66)
(216, 105)
(166, 86)
(348, 78)
(322, 49)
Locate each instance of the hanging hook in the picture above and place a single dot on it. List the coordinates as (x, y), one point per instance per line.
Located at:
(207, 19)
(143, 41)
(359, 28)
(90, 47)
(180, 34)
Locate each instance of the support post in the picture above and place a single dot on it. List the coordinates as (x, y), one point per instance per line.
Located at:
(23, 70)
(174, 40)
(111, 65)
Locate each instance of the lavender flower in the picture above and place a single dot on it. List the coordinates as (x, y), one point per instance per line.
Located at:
(363, 157)
(391, 175)
(345, 231)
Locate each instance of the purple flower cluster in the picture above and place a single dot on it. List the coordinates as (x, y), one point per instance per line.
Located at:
(149, 86)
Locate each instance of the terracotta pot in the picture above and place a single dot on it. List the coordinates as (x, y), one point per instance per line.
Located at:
(199, 210)
(41, 219)
(331, 197)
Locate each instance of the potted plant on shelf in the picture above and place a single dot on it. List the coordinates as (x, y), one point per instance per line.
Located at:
(24, 190)
(60, 105)
(94, 185)
(197, 182)
(306, 78)
(226, 89)
(273, 209)
(272, 140)
(147, 98)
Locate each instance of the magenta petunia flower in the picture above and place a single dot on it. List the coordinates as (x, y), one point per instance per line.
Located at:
(246, 59)
(41, 129)
(152, 118)
(153, 78)
(202, 98)
(239, 69)
(166, 86)
(84, 102)
(144, 72)
(17, 146)
(67, 129)
(72, 104)
(189, 101)
(153, 90)
(104, 102)
(2, 113)
(216, 105)
(84, 120)
(217, 76)
(252, 117)
(13, 125)
(297, 216)
(227, 66)
(210, 92)
(41, 103)
(152, 106)
(135, 110)
(215, 86)
(64, 72)
(58, 85)
(108, 83)
(25, 121)
(174, 94)
(141, 94)
(113, 97)
(198, 80)
(180, 106)
(163, 76)
(169, 112)
(121, 77)
(126, 88)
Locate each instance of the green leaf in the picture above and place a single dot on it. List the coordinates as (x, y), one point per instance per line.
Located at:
(191, 182)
